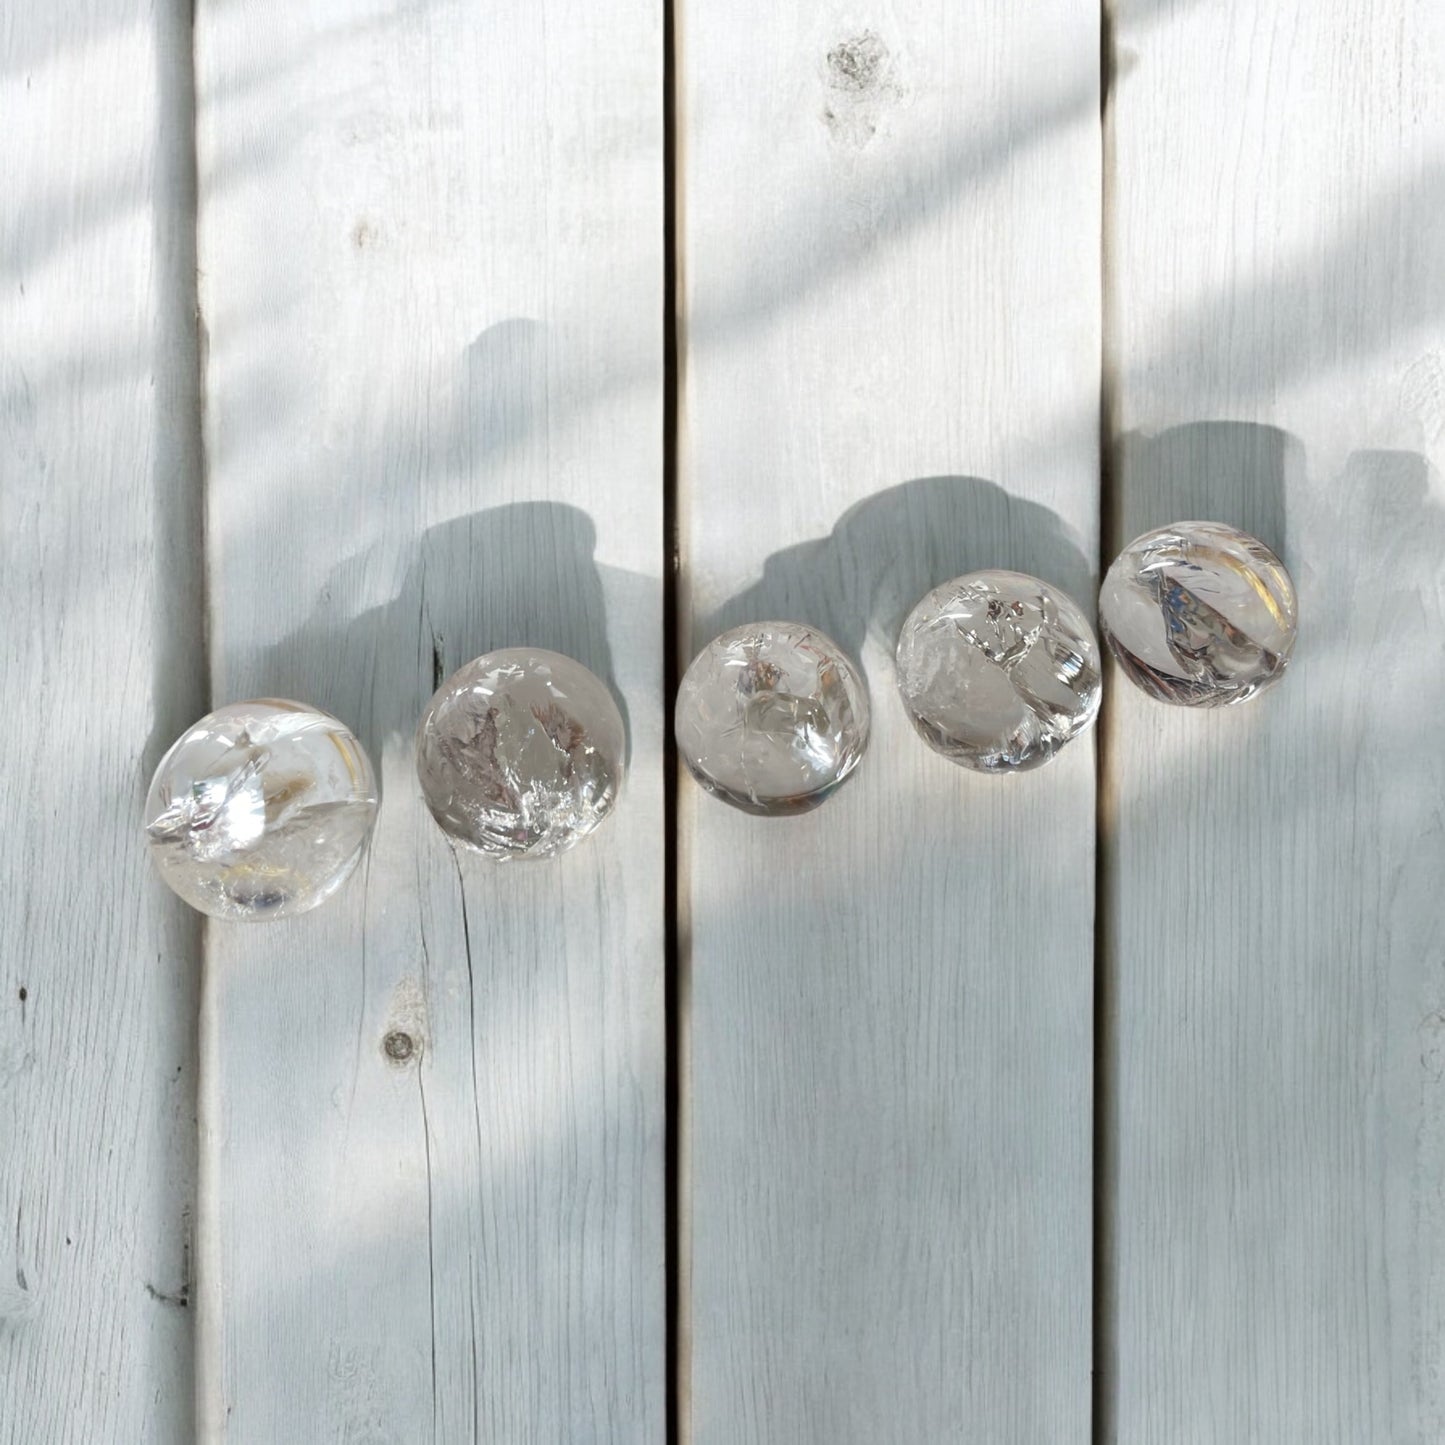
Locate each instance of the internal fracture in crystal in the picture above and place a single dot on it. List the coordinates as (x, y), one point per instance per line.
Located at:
(772, 717)
(1199, 614)
(998, 670)
(521, 753)
(261, 810)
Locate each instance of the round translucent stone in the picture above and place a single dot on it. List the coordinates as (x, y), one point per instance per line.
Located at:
(772, 717)
(998, 671)
(1199, 614)
(521, 753)
(261, 810)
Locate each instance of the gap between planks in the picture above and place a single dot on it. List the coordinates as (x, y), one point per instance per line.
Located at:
(1102, 1415)
(675, 986)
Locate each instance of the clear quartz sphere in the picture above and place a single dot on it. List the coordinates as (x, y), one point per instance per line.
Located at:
(772, 717)
(521, 753)
(262, 810)
(998, 671)
(1199, 613)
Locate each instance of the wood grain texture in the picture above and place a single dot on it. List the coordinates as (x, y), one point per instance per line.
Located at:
(1275, 871)
(100, 667)
(431, 239)
(891, 312)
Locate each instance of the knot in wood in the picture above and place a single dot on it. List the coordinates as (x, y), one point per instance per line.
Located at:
(398, 1046)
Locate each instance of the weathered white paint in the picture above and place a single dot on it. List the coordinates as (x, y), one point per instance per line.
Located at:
(1275, 891)
(99, 667)
(431, 245)
(434, 414)
(890, 376)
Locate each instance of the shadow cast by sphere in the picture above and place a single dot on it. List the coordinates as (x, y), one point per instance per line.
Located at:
(886, 552)
(517, 575)
(1208, 471)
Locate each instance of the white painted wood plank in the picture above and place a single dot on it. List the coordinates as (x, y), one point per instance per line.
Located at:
(891, 365)
(1275, 870)
(431, 240)
(100, 666)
